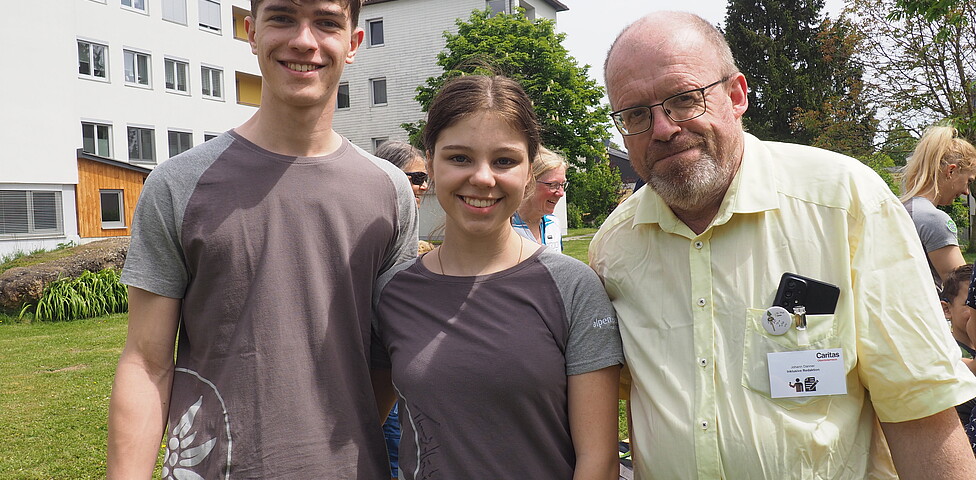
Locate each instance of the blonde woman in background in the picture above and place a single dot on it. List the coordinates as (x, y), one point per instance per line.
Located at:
(940, 170)
(534, 219)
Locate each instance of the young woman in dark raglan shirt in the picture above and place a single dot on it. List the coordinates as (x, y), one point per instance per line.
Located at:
(504, 356)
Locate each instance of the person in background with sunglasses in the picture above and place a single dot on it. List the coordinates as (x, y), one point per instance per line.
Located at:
(534, 219)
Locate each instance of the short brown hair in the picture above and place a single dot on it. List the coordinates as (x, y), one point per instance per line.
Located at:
(352, 5)
(957, 278)
(468, 94)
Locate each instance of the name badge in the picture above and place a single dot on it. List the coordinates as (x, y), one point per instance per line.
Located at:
(807, 373)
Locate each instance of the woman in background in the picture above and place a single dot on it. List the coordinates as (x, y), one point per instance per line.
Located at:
(941, 169)
(498, 348)
(534, 219)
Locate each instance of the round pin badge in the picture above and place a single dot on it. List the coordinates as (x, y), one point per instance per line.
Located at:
(777, 320)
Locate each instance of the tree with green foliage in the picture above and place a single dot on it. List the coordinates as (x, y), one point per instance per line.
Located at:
(777, 46)
(914, 74)
(844, 121)
(595, 191)
(566, 100)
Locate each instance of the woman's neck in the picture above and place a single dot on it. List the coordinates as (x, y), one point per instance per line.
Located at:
(464, 256)
(532, 220)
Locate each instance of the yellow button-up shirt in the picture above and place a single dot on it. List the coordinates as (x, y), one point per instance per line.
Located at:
(690, 307)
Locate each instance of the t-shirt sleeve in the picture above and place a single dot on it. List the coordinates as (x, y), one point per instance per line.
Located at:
(155, 261)
(405, 242)
(594, 339)
(935, 228)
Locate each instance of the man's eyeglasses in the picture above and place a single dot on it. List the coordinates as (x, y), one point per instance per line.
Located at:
(555, 186)
(679, 107)
(417, 178)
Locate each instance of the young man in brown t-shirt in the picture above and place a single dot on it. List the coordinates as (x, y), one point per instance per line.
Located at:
(260, 249)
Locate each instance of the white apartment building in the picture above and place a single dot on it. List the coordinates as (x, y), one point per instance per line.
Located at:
(128, 81)
(399, 53)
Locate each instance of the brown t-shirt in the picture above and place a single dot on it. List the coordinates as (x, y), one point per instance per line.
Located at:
(275, 258)
(481, 365)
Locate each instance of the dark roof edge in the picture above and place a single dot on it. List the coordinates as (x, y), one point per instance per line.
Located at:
(114, 163)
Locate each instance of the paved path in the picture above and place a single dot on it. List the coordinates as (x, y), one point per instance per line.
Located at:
(580, 237)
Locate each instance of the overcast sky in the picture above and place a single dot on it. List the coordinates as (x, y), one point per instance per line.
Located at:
(591, 25)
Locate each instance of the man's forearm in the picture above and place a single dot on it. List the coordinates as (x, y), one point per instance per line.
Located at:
(136, 419)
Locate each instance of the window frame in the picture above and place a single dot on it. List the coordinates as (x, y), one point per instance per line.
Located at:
(186, 75)
(218, 29)
(377, 141)
(211, 82)
(372, 92)
(30, 214)
(95, 125)
(120, 203)
(339, 96)
(370, 41)
(148, 74)
(180, 133)
(144, 10)
(163, 11)
(142, 148)
(91, 60)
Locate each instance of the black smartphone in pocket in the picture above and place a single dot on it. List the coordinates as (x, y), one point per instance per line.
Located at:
(819, 298)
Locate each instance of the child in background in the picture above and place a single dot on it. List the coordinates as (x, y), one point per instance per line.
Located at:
(954, 306)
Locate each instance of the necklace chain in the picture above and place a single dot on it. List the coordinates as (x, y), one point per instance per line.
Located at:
(441, 264)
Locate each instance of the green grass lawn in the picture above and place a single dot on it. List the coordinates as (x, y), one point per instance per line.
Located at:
(55, 380)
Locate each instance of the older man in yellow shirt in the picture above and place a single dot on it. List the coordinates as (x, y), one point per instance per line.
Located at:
(693, 263)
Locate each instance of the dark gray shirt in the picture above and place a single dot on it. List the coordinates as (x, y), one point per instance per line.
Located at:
(275, 258)
(481, 364)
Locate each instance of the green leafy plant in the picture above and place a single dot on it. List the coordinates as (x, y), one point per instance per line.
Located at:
(90, 294)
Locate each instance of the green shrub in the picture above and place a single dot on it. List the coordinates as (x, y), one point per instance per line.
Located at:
(574, 216)
(90, 294)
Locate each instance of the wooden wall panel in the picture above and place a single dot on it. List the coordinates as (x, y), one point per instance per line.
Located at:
(95, 176)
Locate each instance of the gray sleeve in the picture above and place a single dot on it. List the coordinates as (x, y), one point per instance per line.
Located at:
(404, 245)
(594, 339)
(935, 228)
(155, 261)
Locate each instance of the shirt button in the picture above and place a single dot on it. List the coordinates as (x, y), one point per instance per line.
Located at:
(699, 245)
(701, 302)
(704, 425)
(703, 362)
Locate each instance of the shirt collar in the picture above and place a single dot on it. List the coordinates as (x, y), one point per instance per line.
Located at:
(754, 189)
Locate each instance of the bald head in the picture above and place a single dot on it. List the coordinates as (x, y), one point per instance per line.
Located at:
(670, 33)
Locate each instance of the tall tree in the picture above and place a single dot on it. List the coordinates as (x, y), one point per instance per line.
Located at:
(918, 77)
(777, 45)
(566, 100)
(844, 121)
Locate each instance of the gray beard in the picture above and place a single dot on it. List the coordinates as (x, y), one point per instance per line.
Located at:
(690, 187)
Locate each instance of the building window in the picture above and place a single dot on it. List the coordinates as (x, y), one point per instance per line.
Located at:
(342, 97)
(113, 208)
(378, 141)
(210, 15)
(176, 75)
(136, 67)
(377, 87)
(213, 82)
(92, 60)
(96, 139)
(142, 148)
(210, 136)
(179, 142)
(240, 32)
(248, 89)
(174, 11)
(139, 5)
(30, 212)
(375, 29)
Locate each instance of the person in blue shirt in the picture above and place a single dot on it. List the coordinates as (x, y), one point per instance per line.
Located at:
(534, 219)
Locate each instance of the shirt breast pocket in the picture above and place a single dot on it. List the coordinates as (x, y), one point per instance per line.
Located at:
(758, 342)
